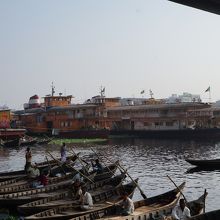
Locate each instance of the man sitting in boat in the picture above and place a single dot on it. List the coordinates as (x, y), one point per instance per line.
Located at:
(86, 201)
(77, 190)
(181, 212)
(44, 180)
(33, 172)
(127, 205)
(97, 166)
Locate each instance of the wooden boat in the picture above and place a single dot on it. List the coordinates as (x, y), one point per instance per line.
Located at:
(44, 141)
(196, 206)
(10, 133)
(108, 172)
(19, 198)
(21, 173)
(97, 190)
(144, 209)
(11, 143)
(205, 164)
(19, 185)
(27, 142)
(213, 215)
(157, 207)
(67, 212)
(25, 184)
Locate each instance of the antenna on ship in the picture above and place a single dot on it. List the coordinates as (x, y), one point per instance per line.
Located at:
(53, 89)
(102, 91)
(151, 94)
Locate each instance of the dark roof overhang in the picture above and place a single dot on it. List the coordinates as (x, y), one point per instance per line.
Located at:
(212, 6)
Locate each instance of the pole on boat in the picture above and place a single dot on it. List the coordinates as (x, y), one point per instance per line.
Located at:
(177, 188)
(86, 177)
(125, 171)
(103, 162)
(205, 194)
(72, 168)
(57, 161)
(87, 171)
(48, 163)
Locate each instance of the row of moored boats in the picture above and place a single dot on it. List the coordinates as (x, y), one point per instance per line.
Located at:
(56, 199)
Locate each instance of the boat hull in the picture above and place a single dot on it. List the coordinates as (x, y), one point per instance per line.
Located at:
(170, 134)
(104, 134)
(9, 134)
(205, 164)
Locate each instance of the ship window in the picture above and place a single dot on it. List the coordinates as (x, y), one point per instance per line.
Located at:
(158, 123)
(147, 124)
(169, 123)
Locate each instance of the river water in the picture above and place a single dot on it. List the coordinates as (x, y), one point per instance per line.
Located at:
(149, 160)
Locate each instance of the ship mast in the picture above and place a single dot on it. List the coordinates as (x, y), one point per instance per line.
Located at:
(151, 94)
(53, 89)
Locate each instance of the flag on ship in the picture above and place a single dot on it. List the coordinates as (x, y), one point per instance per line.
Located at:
(208, 89)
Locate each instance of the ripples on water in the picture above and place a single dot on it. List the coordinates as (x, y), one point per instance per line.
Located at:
(149, 160)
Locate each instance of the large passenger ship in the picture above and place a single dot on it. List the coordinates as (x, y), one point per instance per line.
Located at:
(99, 116)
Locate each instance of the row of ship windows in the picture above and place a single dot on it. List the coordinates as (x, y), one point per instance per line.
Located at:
(168, 123)
(66, 123)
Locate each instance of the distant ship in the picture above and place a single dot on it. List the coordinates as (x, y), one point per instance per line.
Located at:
(6, 130)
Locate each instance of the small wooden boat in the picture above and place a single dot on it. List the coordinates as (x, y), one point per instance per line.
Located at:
(205, 164)
(144, 209)
(196, 206)
(67, 212)
(44, 141)
(25, 184)
(98, 190)
(11, 143)
(157, 207)
(4, 176)
(27, 142)
(213, 215)
(107, 172)
(19, 198)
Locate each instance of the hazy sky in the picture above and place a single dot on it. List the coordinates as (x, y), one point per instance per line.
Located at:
(124, 45)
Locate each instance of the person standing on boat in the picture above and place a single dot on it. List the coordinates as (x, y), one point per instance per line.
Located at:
(85, 200)
(127, 205)
(181, 212)
(28, 157)
(63, 153)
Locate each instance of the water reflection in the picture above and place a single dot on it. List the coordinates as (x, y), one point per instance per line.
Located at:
(149, 160)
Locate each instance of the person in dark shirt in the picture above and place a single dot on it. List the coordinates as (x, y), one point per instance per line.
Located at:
(97, 166)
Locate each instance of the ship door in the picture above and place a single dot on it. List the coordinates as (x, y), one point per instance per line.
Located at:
(132, 125)
(49, 126)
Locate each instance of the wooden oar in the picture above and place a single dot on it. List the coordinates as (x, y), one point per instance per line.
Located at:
(86, 177)
(177, 188)
(57, 162)
(125, 171)
(48, 163)
(72, 168)
(80, 160)
(205, 193)
(103, 162)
